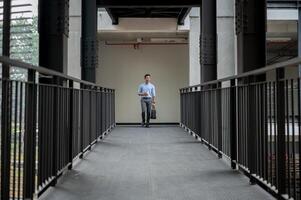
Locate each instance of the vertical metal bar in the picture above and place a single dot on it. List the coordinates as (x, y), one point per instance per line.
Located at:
(233, 119)
(114, 114)
(90, 117)
(258, 132)
(281, 171)
(275, 133)
(252, 130)
(20, 138)
(219, 118)
(30, 137)
(5, 107)
(270, 157)
(265, 94)
(15, 137)
(55, 151)
(293, 139)
(81, 122)
(71, 118)
(287, 136)
(5, 139)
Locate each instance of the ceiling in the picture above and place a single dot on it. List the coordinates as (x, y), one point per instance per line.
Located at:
(281, 45)
(179, 13)
(178, 9)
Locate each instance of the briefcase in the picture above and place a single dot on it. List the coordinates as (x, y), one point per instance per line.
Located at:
(153, 113)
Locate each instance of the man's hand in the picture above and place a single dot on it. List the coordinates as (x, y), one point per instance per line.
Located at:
(143, 94)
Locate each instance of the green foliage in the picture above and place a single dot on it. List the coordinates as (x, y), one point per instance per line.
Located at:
(24, 44)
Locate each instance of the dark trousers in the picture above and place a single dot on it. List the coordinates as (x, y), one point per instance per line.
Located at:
(146, 106)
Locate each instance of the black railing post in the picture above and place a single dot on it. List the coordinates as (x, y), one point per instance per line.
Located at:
(81, 121)
(233, 124)
(190, 109)
(113, 99)
(199, 102)
(102, 111)
(5, 106)
(210, 113)
(281, 144)
(180, 106)
(201, 113)
(71, 118)
(5, 138)
(219, 119)
(97, 113)
(192, 102)
(90, 118)
(252, 127)
(105, 109)
(110, 109)
(196, 110)
(30, 137)
(56, 100)
(184, 107)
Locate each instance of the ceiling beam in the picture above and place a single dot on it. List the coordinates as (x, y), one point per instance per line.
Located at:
(182, 15)
(114, 18)
(147, 3)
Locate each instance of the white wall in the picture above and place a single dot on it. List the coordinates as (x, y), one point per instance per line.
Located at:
(123, 68)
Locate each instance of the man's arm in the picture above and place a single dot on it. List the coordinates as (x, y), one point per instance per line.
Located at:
(153, 100)
(153, 95)
(140, 93)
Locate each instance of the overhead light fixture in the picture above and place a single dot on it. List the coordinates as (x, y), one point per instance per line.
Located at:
(279, 39)
(168, 40)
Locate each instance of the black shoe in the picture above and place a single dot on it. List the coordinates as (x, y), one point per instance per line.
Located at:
(142, 124)
(147, 125)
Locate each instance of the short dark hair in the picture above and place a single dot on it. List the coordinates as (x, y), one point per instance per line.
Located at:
(146, 75)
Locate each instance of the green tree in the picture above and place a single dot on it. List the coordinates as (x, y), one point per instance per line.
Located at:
(24, 44)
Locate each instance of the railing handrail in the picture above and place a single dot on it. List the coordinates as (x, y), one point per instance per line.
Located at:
(288, 63)
(17, 63)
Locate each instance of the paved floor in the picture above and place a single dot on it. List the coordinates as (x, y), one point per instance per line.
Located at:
(159, 163)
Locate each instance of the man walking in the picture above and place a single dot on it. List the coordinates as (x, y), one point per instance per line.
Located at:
(147, 93)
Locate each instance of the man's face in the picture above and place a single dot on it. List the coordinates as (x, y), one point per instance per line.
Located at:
(147, 79)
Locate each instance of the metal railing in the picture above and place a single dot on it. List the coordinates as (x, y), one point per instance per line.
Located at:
(48, 120)
(253, 119)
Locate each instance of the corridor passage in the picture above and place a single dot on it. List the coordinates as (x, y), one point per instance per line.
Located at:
(159, 163)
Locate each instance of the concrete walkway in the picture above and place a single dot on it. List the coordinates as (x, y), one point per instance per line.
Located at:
(159, 163)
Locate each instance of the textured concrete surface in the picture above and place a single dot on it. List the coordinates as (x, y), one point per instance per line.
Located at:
(160, 163)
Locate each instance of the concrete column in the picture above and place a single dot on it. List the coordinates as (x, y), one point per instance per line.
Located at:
(208, 40)
(89, 40)
(54, 32)
(225, 39)
(194, 47)
(74, 68)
